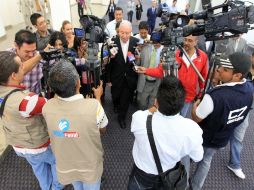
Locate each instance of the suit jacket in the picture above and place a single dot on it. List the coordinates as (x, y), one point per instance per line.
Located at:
(145, 62)
(117, 70)
(139, 8)
(151, 17)
(109, 8)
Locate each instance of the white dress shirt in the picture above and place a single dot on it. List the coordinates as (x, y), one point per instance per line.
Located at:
(174, 136)
(125, 47)
(111, 28)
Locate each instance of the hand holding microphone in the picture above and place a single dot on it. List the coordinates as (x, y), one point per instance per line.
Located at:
(131, 59)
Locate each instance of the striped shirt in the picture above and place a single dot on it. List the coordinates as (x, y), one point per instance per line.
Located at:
(32, 80)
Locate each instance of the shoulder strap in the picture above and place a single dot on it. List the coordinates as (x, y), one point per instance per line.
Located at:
(152, 143)
(5, 99)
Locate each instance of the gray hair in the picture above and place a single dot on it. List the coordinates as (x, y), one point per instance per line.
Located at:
(63, 79)
(125, 23)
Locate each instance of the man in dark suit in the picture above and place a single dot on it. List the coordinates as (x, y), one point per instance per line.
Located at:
(151, 16)
(120, 73)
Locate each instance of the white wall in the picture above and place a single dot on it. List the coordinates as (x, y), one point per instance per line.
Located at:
(9, 12)
(2, 29)
(60, 11)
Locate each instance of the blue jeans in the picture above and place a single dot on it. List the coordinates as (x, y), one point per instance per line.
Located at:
(44, 168)
(185, 110)
(202, 169)
(79, 185)
(236, 144)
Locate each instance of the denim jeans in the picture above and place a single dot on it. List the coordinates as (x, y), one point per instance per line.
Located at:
(202, 169)
(79, 185)
(236, 144)
(185, 110)
(44, 168)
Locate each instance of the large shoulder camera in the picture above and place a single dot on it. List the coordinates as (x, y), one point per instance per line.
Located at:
(234, 18)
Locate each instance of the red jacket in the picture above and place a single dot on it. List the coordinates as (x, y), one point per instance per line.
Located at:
(187, 75)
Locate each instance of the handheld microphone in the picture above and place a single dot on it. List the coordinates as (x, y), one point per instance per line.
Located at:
(131, 59)
(105, 54)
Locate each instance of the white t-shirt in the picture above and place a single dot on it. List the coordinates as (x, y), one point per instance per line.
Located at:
(175, 137)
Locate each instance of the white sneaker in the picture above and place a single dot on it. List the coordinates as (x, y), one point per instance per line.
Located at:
(238, 172)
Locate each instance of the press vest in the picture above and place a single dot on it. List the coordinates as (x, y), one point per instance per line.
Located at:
(231, 105)
(75, 139)
(19, 131)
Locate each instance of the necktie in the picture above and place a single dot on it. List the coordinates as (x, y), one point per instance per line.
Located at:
(152, 63)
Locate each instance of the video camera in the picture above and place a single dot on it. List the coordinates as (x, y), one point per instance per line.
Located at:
(235, 18)
(93, 28)
(93, 32)
(55, 54)
(51, 57)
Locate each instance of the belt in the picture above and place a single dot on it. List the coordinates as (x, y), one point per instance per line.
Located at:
(151, 81)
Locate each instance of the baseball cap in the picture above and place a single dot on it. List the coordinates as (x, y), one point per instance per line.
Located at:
(238, 61)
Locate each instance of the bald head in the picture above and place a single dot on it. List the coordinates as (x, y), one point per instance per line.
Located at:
(190, 42)
(125, 30)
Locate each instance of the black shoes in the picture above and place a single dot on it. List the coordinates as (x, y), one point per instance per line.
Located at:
(122, 123)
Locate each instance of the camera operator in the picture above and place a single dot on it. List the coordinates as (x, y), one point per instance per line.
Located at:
(222, 110)
(25, 49)
(23, 125)
(120, 73)
(42, 32)
(186, 73)
(74, 125)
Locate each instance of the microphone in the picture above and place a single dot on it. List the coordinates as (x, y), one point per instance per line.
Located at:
(131, 59)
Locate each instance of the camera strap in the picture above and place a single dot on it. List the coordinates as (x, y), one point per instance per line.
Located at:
(5, 99)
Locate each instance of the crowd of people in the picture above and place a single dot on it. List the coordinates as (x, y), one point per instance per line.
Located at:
(60, 137)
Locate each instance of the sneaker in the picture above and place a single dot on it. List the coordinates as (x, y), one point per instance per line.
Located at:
(238, 172)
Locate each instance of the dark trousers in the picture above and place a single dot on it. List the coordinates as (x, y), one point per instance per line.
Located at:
(130, 14)
(121, 98)
(80, 10)
(111, 16)
(138, 15)
(151, 27)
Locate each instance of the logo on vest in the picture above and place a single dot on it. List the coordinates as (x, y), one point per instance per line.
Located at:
(236, 115)
(64, 127)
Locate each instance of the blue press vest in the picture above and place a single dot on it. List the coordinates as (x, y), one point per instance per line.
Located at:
(231, 105)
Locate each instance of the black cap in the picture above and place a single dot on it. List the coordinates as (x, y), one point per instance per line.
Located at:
(238, 61)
